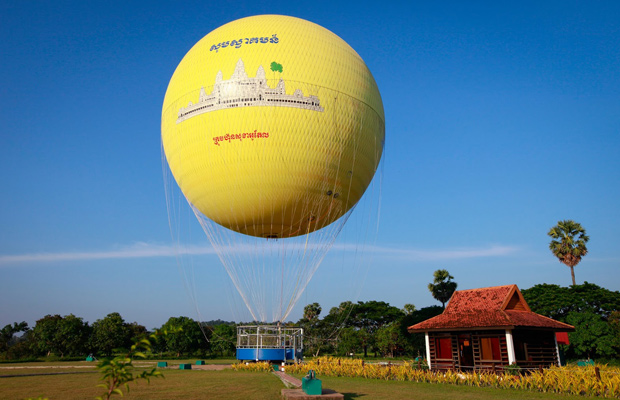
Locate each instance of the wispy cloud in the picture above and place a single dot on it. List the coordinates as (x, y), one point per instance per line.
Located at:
(137, 250)
(147, 250)
(414, 254)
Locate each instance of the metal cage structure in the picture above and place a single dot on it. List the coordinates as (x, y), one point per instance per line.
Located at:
(270, 343)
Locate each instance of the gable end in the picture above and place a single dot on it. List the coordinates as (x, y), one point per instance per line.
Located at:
(515, 301)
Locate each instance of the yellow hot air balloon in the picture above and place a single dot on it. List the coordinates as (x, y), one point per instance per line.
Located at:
(273, 127)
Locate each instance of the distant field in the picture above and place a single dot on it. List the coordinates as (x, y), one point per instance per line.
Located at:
(80, 383)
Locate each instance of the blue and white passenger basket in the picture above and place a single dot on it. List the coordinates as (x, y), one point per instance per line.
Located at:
(269, 343)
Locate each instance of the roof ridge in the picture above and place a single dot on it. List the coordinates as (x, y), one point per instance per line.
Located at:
(486, 288)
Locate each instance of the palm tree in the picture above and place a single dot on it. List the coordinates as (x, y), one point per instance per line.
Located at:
(312, 311)
(442, 286)
(569, 243)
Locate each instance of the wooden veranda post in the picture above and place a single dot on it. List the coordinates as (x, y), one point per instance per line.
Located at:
(510, 347)
(427, 341)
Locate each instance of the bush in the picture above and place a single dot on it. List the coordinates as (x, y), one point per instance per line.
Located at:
(512, 369)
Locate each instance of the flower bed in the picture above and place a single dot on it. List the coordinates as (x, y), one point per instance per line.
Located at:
(571, 380)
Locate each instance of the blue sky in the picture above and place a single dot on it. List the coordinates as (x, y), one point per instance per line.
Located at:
(501, 119)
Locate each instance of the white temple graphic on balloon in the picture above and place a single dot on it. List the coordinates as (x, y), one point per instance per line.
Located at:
(243, 91)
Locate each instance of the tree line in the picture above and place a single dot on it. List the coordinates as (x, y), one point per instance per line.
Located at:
(70, 336)
(377, 327)
(362, 328)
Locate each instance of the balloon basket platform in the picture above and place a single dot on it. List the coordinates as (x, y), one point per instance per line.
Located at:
(269, 343)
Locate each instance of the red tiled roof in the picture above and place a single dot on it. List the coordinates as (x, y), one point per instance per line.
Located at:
(493, 307)
(531, 319)
(476, 300)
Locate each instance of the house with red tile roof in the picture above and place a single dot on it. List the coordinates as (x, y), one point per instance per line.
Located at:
(490, 328)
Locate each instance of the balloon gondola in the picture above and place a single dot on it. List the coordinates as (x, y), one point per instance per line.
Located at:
(270, 343)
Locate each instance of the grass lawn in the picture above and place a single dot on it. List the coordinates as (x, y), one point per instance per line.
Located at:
(360, 388)
(177, 384)
(228, 384)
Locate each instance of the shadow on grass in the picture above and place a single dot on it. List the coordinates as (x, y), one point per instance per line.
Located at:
(349, 396)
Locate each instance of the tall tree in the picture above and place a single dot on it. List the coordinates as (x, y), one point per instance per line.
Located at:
(557, 302)
(137, 331)
(72, 334)
(370, 316)
(186, 337)
(314, 328)
(341, 316)
(390, 340)
(66, 335)
(590, 308)
(409, 309)
(593, 336)
(110, 333)
(312, 312)
(224, 339)
(348, 342)
(568, 243)
(7, 333)
(442, 286)
(44, 334)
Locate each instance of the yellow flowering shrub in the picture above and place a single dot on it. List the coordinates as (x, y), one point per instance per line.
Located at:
(571, 379)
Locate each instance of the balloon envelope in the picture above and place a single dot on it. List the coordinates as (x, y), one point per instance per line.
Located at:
(272, 126)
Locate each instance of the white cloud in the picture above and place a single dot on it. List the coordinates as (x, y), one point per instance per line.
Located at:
(137, 250)
(439, 254)
(147, 250)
